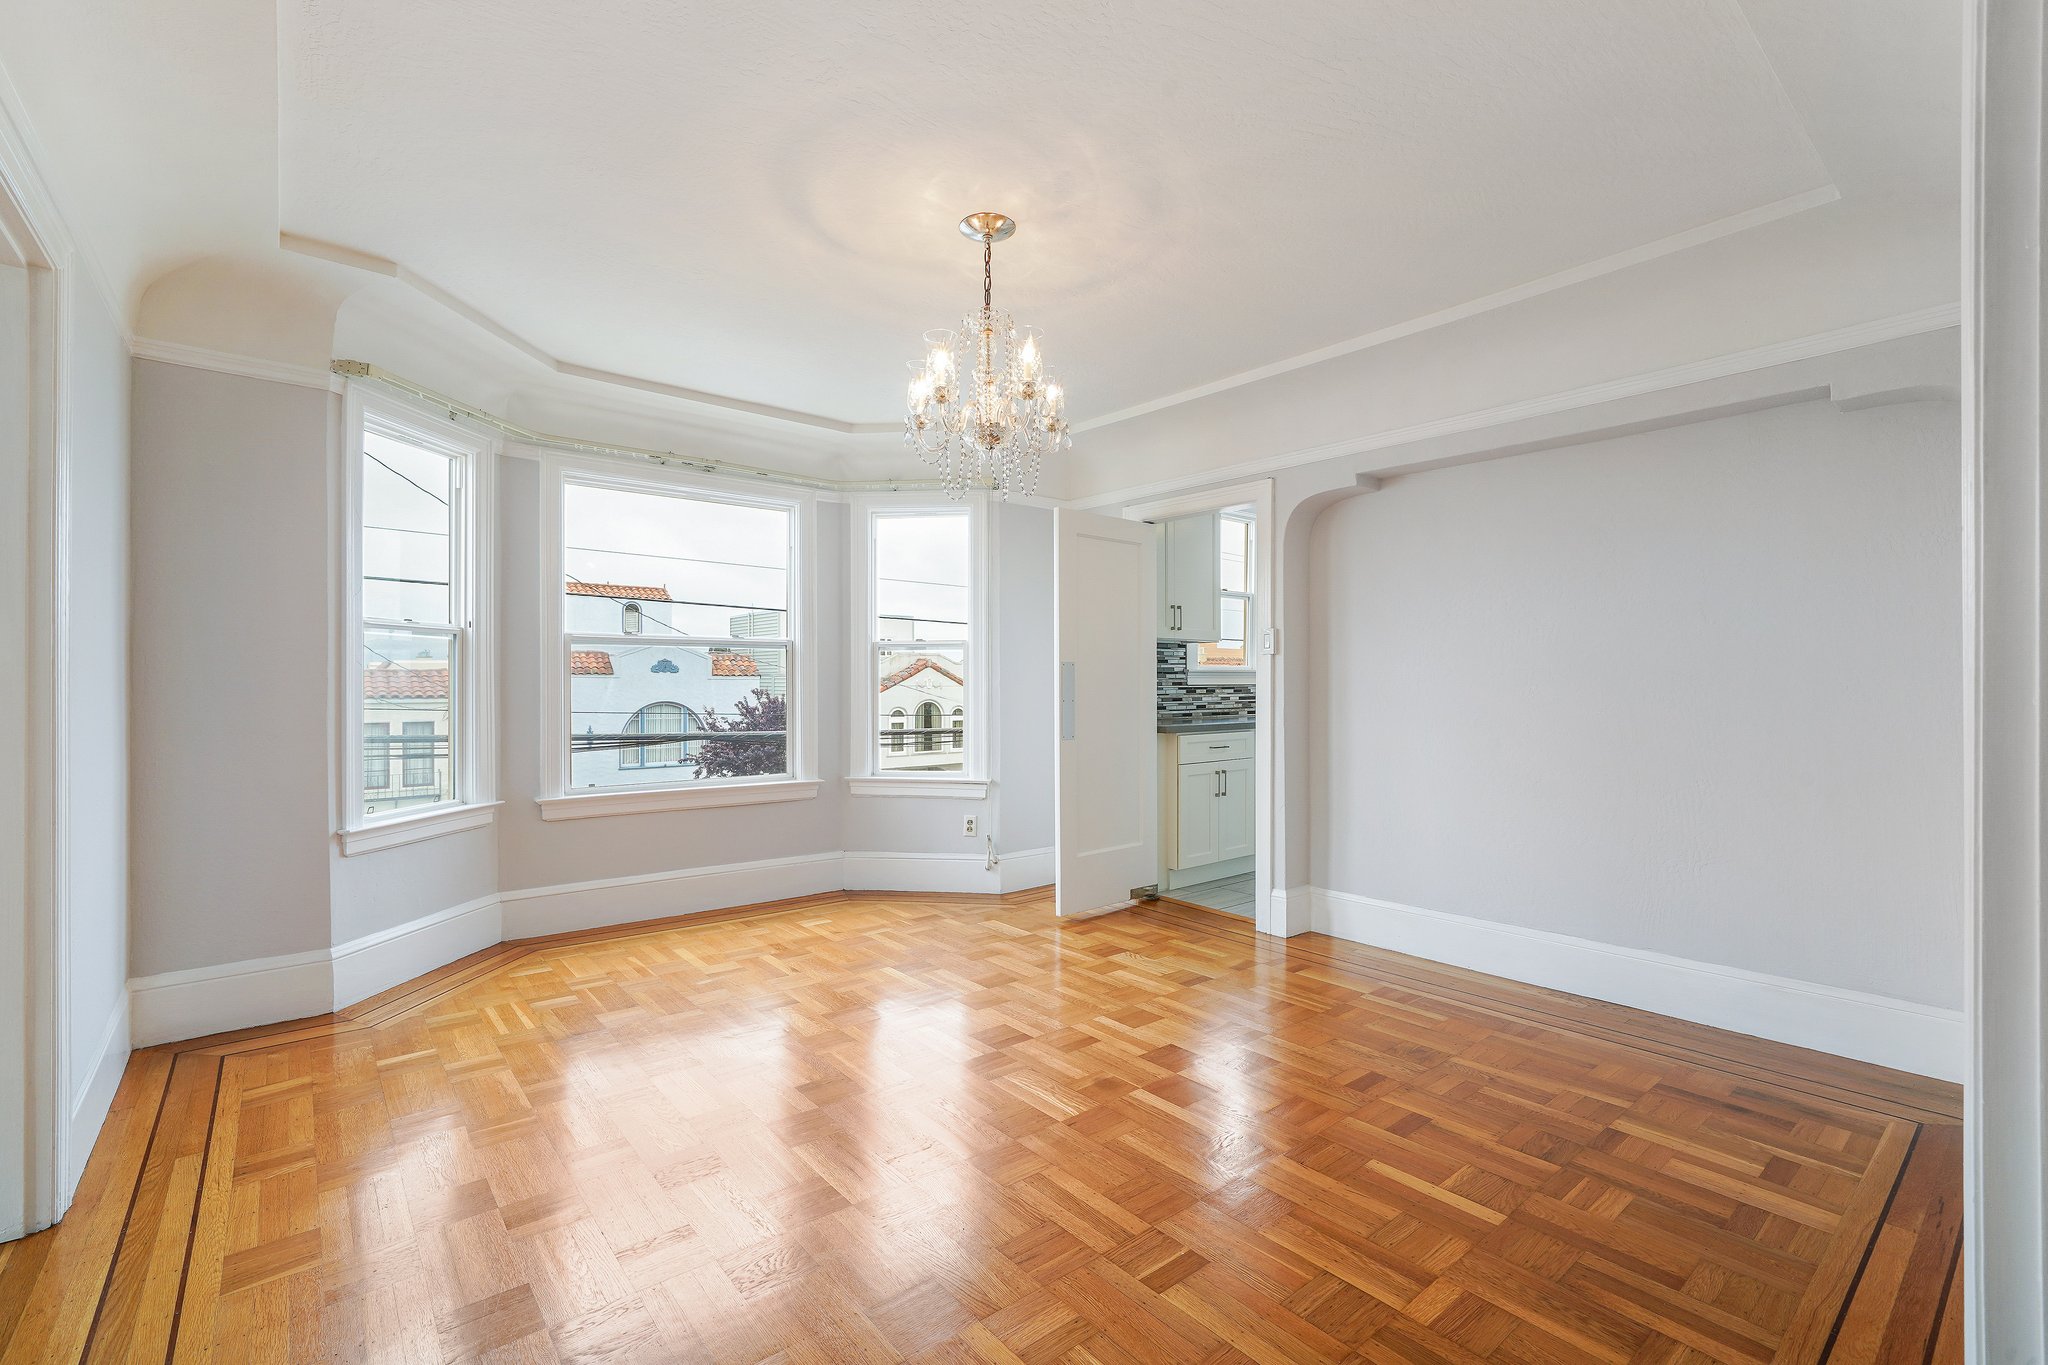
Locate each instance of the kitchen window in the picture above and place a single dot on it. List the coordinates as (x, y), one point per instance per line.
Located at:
(1237, 535)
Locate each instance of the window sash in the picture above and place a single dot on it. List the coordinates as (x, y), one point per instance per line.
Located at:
(469, 761)
(412, 763)
(559, 477)
(913, 736)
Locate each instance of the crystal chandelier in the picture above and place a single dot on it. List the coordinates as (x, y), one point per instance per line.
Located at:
(983, 408)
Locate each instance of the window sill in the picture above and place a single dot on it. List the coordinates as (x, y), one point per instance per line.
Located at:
(958, 788)
(410, 829)
(584, 807)
(1223, 674)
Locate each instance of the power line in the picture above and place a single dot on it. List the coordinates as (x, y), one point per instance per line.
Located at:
(415, 483)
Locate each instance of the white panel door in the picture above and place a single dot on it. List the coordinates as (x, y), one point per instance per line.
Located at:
(1105, 773)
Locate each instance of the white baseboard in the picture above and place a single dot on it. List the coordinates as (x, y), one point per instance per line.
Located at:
(191, 1004)
(201, 1000)
(1026, 869)
(94, 1097)
(624, 900)
(1292, 909)
(966, 873)
(1923, 1039)
(377, 962)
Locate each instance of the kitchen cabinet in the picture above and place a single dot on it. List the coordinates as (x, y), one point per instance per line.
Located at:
(1190, 578)
(1206, 811)
(1234, 811)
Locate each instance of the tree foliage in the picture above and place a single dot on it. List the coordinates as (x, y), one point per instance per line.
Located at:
(747, 757)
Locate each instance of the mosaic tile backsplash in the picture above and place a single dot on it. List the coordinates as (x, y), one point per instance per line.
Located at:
(1182, 699)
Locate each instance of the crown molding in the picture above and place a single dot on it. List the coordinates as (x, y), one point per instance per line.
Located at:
(378, 265)
(1606, 265)
(1812, 347)
(1564, 279)
(225, 362)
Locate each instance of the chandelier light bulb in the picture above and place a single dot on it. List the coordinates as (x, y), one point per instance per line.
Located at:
(981, 405)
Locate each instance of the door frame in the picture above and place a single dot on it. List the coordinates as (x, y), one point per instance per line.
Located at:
(2005, 448)
(1268, 724)
(34, 239)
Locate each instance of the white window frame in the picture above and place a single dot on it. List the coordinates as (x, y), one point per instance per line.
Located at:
(557, 799)
(866, 719)
(1233, 672)
(473, 653)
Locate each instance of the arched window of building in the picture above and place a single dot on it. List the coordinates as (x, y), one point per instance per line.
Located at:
(632, 623)
(927, 726)
(659, 718)
(896, 723)
(959, 728)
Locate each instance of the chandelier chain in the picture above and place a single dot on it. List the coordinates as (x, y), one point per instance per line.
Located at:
(988, 279)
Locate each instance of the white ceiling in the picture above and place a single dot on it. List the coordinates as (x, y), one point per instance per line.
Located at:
(758, 200)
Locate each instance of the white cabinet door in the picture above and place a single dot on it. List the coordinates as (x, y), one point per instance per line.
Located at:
(1234, 810)
(1195, 815)
(1105, 788)
(1190, 576)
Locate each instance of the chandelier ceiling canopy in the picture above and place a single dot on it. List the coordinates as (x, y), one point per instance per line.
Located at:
(984, 407)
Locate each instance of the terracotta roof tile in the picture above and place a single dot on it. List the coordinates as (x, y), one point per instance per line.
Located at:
(590, 663)
(630, 591)
(915, 667)
(387, 682)
(725, 664)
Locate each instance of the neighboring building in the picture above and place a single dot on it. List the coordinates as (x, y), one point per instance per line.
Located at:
(923, 717)
(618, 609)
(406, 715)
(765, 625)
(618, 693)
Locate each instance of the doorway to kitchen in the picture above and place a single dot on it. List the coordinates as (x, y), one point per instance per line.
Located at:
(1206, 658)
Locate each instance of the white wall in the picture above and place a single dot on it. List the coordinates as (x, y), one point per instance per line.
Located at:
(1695, 692)
(229, 668)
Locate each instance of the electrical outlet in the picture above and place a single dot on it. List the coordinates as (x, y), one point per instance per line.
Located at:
(967, 825)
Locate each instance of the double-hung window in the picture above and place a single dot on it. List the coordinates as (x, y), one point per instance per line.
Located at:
(676, 653)
(417, 721)
(1234, 562)
(920, 662)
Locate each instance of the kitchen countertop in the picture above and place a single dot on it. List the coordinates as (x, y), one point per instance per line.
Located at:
(1206, 727)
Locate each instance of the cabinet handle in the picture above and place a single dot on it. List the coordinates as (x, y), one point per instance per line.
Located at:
(1226, 781)
(1218, 784)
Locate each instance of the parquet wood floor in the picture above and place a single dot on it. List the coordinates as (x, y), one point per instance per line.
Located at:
(948, 1129)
